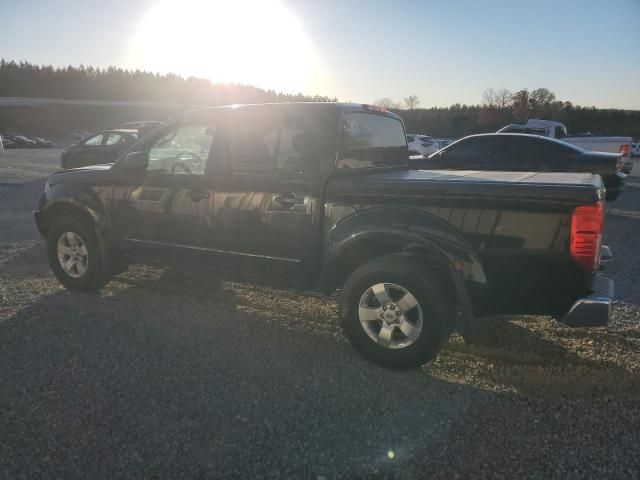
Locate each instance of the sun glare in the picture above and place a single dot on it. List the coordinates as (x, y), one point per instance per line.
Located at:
(257, 42)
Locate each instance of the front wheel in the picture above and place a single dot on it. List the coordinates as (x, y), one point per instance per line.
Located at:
(395, 312)
(74, 255)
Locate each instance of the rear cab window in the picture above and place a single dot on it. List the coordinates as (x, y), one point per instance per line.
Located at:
(371, 140)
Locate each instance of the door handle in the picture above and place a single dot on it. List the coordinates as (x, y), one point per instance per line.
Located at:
(197, 195)
(288, 200)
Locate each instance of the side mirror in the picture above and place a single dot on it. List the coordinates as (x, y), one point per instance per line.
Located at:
(135, 161)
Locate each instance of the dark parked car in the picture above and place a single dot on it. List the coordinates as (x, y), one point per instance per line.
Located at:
(100, 148)
(319, 196)
(527, 153)
(41, 142)
(19, 140)
(7, 142)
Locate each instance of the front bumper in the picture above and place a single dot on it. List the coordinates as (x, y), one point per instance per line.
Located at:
(37, 215)
(595, 309)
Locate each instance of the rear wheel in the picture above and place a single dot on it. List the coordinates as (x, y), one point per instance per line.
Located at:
(395, 312)
(75, 256)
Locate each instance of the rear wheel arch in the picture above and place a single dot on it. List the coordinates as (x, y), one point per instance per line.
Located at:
(441, 266)
(367, 247)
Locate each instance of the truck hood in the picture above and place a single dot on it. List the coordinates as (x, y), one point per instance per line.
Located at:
(470, 185)
(82, 174)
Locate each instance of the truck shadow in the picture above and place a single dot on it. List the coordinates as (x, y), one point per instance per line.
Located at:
(527, 356)
(182, 359)
(538, 357)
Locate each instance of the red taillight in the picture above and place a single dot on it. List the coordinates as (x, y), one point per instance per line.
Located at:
(586, 233)
(625, 150)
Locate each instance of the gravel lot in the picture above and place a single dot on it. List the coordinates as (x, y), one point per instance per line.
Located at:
(163, 375)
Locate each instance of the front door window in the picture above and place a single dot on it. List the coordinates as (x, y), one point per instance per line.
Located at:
(184, 150)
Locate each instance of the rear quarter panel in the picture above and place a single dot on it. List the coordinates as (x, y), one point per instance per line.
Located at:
(521, 239)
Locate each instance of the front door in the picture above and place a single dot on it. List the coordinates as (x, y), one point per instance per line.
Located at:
(163, 213)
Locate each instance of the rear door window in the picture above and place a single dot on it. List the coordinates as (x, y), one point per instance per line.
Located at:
(370, 140)
(290, 140)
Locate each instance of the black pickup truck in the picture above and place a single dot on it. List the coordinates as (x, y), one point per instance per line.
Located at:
(319, 196)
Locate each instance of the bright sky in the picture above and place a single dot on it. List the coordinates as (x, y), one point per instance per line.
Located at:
(586, 51)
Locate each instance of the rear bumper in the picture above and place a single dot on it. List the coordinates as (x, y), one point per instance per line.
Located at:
(595, 309)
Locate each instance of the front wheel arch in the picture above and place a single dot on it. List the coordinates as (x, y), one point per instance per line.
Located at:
(96, 274)
(61, 211)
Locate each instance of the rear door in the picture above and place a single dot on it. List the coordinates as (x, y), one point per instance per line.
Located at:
(266, 211)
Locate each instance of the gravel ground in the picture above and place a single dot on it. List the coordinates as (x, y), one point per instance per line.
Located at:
(23, 164)
(165, 375)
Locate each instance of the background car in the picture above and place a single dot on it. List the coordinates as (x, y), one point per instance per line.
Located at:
(518, 152)
(7, 142)
(41, 142)
(444, 142)
(423, 144)
(100, 148)
(635, 149)
(20, 140)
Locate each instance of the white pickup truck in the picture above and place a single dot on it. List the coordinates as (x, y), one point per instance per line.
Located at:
(597, 143)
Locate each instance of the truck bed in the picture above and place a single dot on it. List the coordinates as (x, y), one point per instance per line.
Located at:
(578, 188)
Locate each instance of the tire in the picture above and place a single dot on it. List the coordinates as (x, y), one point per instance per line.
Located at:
(398, 350)
(88, 275)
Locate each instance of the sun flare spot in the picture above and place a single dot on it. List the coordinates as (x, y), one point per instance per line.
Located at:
(253, 42)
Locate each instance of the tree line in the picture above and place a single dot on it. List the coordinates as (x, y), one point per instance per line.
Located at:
(501, 107)
(24, 79)
(498, 107)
